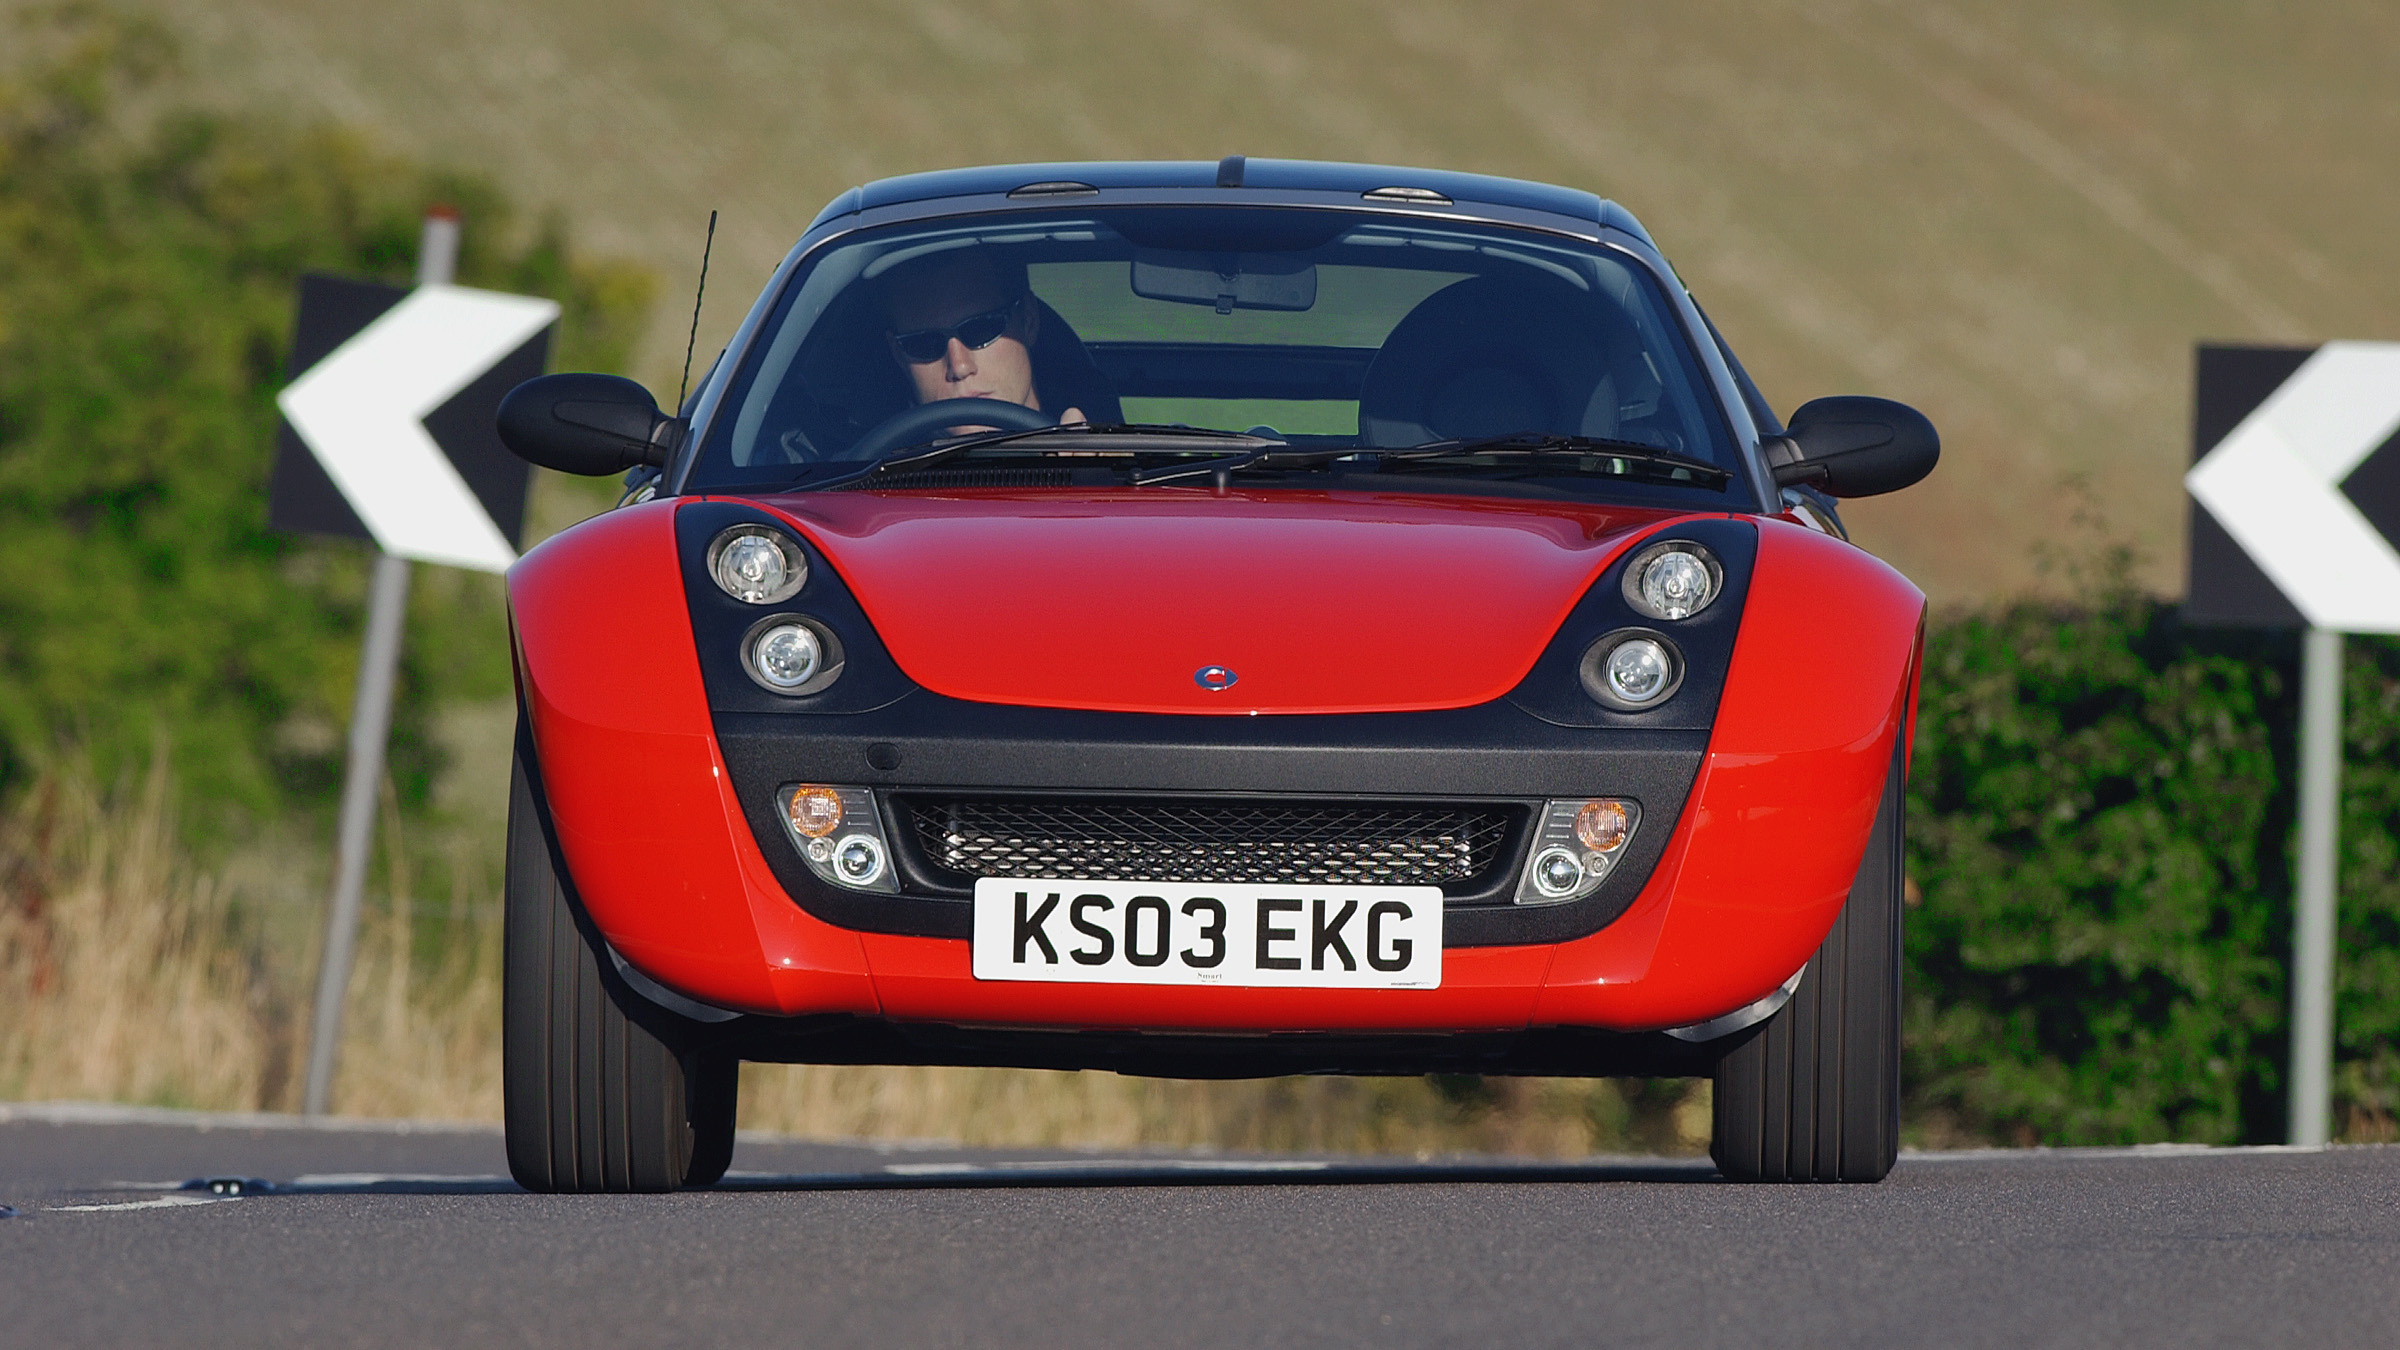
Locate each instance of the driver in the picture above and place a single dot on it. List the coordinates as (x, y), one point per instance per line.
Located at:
(962, 323)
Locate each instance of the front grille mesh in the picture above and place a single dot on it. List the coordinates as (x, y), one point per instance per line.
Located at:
(1252, 841)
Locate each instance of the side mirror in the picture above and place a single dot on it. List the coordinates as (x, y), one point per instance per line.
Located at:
(587, 424)
(1853, 446)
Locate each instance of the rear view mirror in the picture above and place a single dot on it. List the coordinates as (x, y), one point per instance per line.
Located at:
(1230, 281)
(587, 424)
(1854, 446)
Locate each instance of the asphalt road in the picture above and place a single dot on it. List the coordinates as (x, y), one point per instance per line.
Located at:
(375, 1235)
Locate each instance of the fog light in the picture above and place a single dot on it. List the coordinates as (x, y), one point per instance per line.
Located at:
(1603, 826)
(859, 860)
(838, 832)
(1639, 670)
(787, 655)
(756, 565)
(1557, 872)
(815, 811)
(1577, 845)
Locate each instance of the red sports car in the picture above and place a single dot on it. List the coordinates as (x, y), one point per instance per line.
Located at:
(1209, 620)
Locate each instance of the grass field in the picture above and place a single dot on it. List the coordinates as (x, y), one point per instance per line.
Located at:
(2019, 217)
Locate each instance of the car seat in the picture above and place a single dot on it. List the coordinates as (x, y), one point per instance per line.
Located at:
(1493, 355)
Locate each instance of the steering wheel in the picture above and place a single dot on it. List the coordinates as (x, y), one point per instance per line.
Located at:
(927, 420)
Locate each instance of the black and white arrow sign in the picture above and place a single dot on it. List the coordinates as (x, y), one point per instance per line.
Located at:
(2306, 483)
(362, 412)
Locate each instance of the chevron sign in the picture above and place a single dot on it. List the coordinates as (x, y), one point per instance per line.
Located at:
(2296, 485)
(388, 420)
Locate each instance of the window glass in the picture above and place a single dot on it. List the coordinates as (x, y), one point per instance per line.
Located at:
(1324, 328)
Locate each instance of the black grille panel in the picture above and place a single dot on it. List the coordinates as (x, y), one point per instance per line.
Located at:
(1455, 846)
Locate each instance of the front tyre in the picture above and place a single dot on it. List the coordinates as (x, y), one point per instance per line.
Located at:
(1814, 1095)
(598, 1097)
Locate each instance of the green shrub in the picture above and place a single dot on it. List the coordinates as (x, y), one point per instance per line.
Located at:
(2100, 857)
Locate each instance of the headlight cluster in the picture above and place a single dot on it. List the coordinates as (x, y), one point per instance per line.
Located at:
(756, 565)
(839, 834)
(1635, 668)
(788, 655)
(1575, 846)
(1632, 669)
(1673, 580)
(784, 653)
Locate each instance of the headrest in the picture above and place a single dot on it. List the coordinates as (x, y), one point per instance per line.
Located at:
(1065, 374)
(1492, 355)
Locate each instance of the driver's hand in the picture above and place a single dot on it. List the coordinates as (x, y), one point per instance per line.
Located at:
(1071, 416)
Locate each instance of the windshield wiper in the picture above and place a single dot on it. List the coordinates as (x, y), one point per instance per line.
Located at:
(925, 456)
(1624, 456)
(1621, 457)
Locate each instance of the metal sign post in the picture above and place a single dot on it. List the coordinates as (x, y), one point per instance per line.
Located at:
(370, 729)
(2297, 473)
(389, 437)
(2310, 1106)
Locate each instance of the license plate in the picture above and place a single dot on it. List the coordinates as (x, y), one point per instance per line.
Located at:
(1151, 932)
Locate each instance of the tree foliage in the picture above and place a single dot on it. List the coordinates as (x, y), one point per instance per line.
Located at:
(148, 255)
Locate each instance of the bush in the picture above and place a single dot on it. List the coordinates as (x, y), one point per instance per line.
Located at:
(147, 266)
(2100, 860)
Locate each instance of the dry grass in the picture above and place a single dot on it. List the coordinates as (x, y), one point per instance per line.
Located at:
(125, 975)
(130, 974)
(1532, 1117)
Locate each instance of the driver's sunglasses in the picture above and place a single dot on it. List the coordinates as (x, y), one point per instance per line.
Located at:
(924, 346)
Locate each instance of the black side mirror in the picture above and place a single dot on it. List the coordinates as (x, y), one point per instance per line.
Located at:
(1853, 446)
(587, 424)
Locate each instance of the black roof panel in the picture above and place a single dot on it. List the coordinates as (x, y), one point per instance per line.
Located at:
(1260, 177)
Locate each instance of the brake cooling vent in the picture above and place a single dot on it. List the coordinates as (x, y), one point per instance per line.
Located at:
(1249, 840)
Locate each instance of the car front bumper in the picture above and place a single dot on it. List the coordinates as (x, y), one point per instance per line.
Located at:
(663, 817)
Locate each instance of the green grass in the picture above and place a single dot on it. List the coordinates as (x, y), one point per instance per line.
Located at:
(2018, 217)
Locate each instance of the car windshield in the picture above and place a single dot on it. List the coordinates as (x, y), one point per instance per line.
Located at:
(1310, 331)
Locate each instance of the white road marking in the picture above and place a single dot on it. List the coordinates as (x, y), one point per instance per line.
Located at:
(1040, 1165)
(160, 1202)
(352, 1180)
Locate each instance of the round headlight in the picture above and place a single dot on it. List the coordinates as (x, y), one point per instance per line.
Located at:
(788, 655)
(1639, 670)
(1632, 669)
(756, 565)
(1674, 580)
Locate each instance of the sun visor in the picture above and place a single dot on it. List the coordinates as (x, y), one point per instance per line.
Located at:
(1229, 281)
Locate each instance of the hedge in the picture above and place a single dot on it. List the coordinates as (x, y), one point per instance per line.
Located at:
(2100, 851)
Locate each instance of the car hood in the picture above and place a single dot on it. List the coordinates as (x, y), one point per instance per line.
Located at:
(1119, 599)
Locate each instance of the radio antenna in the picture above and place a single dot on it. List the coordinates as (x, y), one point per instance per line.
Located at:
(690, 342)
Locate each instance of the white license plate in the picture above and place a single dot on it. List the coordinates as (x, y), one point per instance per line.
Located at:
(1155, 932)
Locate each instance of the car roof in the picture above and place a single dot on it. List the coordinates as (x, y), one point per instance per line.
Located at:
(1233, 180)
